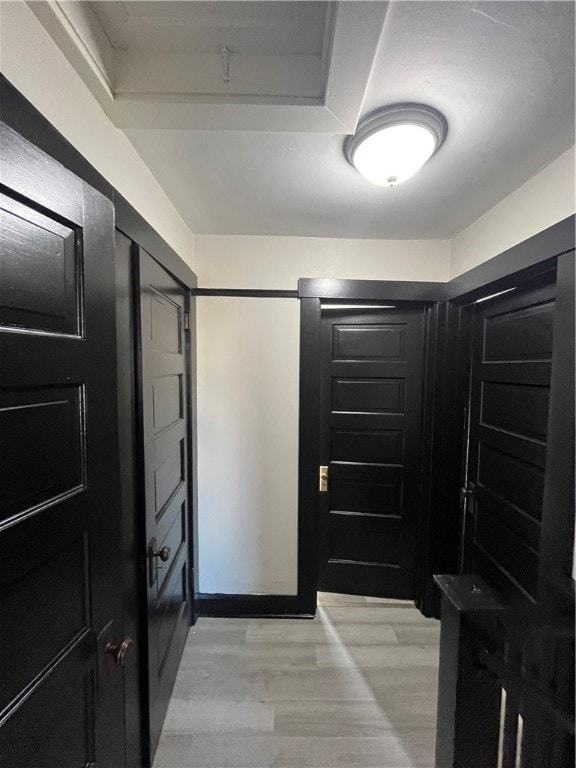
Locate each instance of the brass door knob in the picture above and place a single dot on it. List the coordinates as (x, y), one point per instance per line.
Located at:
(153, 556)
(119, 651)
(163, 554)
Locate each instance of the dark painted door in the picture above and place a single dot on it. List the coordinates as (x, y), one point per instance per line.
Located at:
(164, 411)
(517, 706)
(509, 405)
(61, 692)
(371, 427)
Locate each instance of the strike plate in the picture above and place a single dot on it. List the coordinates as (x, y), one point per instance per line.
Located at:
(323, 487)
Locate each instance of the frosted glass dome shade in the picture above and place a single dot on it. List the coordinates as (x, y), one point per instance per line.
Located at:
(394, 154)
(393, 143)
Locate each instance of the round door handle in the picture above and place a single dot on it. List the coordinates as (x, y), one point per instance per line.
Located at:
(119, 651)
(163, 554)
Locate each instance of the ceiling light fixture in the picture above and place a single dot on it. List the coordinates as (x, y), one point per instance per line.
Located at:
(391, 145)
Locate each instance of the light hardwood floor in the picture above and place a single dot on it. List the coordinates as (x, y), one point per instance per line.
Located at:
(354, 688)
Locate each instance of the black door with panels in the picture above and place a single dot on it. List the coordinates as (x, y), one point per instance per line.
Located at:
(371, 453)
(61, 642)
(506, 675)
(513, 338)
(164, 412)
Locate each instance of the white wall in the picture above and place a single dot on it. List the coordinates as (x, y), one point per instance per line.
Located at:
(248, 444)
(544, 200)
(250, 261)
(248, 377)
(36, 66)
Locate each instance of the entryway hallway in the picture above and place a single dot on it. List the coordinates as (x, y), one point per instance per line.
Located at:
(356, 687)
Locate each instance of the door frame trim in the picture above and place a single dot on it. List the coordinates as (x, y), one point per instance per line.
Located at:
(428, 294)
(555, 585)
(544, 246)
(224, 605)
(367, 290)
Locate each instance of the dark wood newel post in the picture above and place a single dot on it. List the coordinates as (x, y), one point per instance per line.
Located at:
(468, 695)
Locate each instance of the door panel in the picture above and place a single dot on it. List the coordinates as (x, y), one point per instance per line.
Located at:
(372, 363)
(61, 695)
(40, 268)
(165, 408)
(509, 403)
(41, 431)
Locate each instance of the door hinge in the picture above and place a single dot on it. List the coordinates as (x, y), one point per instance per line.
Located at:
(323, 487)
(186, 321)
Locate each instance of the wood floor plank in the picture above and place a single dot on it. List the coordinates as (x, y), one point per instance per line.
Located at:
(374, 614)
(386, 751)
(307, 632)
(384, 656)
(218, 717)
(329, 718)
(318, 684)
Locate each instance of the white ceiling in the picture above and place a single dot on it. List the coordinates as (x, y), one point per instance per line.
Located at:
(242, 159)
(279, 28)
